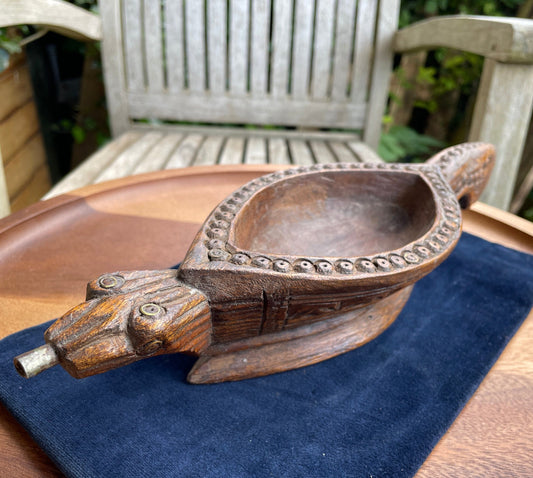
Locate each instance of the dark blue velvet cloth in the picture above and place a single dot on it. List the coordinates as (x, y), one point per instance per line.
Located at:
(377, 411)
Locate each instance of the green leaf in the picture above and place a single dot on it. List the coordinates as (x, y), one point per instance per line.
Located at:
(78, 133)
(402, 143)
(389, 148)
(426, 75)
(65, 124)
(431, 7)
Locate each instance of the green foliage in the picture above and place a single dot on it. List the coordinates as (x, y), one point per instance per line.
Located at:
(405, 144)
(445, 71)
(527, 208)
(91, 5)
(454, 71)
(450, 71)
(528, 214)
(414, 10)
(10, 39)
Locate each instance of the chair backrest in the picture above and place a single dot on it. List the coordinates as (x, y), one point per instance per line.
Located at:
(295, 63)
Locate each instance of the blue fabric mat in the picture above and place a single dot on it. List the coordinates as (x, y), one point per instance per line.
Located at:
(377, 411)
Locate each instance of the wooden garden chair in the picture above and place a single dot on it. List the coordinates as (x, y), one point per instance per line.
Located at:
(317, 79)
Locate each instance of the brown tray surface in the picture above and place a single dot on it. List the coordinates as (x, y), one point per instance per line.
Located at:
(49, 251)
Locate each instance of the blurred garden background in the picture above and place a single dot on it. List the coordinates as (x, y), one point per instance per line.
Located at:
(430, 104)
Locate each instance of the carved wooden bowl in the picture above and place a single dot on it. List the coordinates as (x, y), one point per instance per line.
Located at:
(347, 212)
(293, 268)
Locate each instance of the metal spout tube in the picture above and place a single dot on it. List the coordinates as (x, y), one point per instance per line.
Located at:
(35, 361)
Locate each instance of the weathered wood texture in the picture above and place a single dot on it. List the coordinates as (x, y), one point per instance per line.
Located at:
(233, 63)
(496, 106)
(508, 40)
(163, 210)
(139, 151)
(22, 151)
(526, 186)
(54, 15)
(505, 97)
(524, 182)
(302, 65)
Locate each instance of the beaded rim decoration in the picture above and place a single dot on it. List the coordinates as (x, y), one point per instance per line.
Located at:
(430, 245)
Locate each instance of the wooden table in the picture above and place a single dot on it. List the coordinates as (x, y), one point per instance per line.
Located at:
(49, 251)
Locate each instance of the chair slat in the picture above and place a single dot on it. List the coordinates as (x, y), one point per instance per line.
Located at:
(366, 19)
(364, 153)
(238, 47)
(153, 44)
(132, 29)
(216, 45)
(87, 171)
(256, 152)
(209, 152)
(259, 46)
(301, 56)
(321, 152)
(278, 152)
(125, 162)
(173, 12)
(195, 45)
(325, 19)
(233, 151)
(281, 48)
(300, 152)
(257, 61)
(387, 23)
(343, 48)
(158, 156)
(114, 68)
(184, 154)
(342, 152)
(265, 110)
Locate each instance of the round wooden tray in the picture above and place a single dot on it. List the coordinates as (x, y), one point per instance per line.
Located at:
(49, 251)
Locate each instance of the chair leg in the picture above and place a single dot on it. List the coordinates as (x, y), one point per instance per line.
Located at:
(501, 116)
(522, 193)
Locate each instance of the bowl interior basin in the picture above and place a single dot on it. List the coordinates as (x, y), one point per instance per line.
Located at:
(336, 214)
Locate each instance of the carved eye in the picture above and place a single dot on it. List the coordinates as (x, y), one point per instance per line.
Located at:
(282, 265)
(240, 259)
(304, 266)
(150, 309)
(324, 267)
(344, 267)
(365, 265)
(382, 264)
(144, 328)
(109, 281)
(261, 262)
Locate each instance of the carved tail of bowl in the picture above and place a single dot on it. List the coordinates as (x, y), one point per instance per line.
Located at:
(467, 169)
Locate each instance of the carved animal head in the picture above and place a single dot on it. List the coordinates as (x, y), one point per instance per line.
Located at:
(129, 316)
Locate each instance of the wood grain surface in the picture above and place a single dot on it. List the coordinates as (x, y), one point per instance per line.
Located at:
(43, 273)
(22, 149)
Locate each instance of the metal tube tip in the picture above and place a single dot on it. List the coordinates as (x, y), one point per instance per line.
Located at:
(35, 361)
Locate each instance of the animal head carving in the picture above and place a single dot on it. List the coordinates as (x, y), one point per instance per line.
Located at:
(129, 316)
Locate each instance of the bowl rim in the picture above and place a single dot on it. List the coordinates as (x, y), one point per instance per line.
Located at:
(214, 245)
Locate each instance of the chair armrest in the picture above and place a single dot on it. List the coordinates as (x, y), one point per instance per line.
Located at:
(508, 40)
(55, 15)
